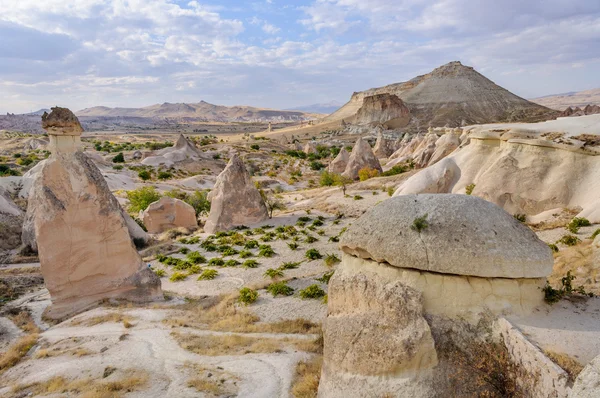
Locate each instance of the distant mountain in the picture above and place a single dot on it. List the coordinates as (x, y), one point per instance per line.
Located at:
(323, 108)
(573, 99)
(201, 111)
(453, 95)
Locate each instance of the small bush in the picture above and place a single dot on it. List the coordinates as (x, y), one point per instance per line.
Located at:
(419, 224)
(596, 233)
(469, 189)
(251, 244)
(577, 223)
(229, 252)
(357, 197)
(117, 167)
(217, 262)
(119, 158)
(145, 175)
(273, 273)
(311, 239)
(331, 259)
(313, 254)
(317, 223)
(178, 276)
(256, 147)
(164, 175)
(183, 250)
(231, 263)
(304, 219)
(289, 265)
(160, 272)
(569, 240)
(196, 258)
(326, 277)
(208, 274)
(312, 292)
(366, 173)
(334, 239)
(394, 171)
(194, 269)
(552, 295)
(327, 179)
(247, 296)
(553, 247)
(250, 264)
(390, 191)
(520, 217)
(266, 251)
(140, 199)
(280, 289)
(246, 254)
(292, 245)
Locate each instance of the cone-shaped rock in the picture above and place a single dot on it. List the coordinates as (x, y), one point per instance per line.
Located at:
(338, 165)
(168, 213)
(362, 156)
(234, 200)
(383, 147)
(84, 246)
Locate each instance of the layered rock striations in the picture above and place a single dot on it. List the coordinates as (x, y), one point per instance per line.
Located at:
(383, 109)
(84, 246)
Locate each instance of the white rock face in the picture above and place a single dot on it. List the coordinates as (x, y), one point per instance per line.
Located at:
(234, 200)
(168, 213)
(438, 178)
(362, 156)
(11, 218)
(182, 150)
(587, 384)
(85, 250)
(310, 147)
(338, 165)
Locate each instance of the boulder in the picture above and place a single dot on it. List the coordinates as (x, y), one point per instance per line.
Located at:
(137, 155)
(338, 165)
(362, 156)
(168, 213)
(11, 219)
(587, 384)
(234, 200)
(386, 109)
(85, 249)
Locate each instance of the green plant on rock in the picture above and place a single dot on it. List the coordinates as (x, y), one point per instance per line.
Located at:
(326, 277)
(595, 233)
(290, 265)
(251, 244)
(250, 264)
(178, 276)
(569, 240)
(273, 273)
(419, 224)
(246, 254)
(231, 263)
(140, 198)
(469, 189)
(216, 262)
(160, 272)
(310, 239)
(119, 158)
(312, 292)
(331, 259)
(553, 247)
(313, 254)
(196, 258)
(577, 223)
(280, 289)
(520, 217)
(552, 295)
(247, 296)
(266, 251)
(292, 245)
(208, 274)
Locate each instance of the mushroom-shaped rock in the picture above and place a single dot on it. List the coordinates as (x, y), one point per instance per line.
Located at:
(338, 165)
(362, 156)
(168, 213)
(85, 249)
(61, 121)
(234, 200)
(465, 235)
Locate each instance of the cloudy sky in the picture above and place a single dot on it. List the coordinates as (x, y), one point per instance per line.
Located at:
(280, 54)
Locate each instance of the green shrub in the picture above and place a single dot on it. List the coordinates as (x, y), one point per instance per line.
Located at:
(304, 219)
(160, 272)
(312, 292)
(292, 245)
(357, 197)
(316, 165)
(552, 295)
(178, 276)
(327, 179)
(290, 265)
(164, 175)
(237, 239)
(251, 244)
(366, 173)
(300, 223)
(256, 147)
(469, 189)
(334, 239)
(313, 254)
(394, 171)
(246, 254)
(145, 175)
(6, 171)
(140, 198)
(196, 258)
(119, 158)
(520, 217)
(280, 289)
(183, 250)
(247, 296)
(230, 251)
(596, 233)
(569, 240)
(250, 264)
(194, 269)
(553, 247)
(273, 273)
(266, 251)
(217, 262)
(390, 191)
(577, 223)
(117, 167)
(231, 263)
(331, 259)
(208, 274)
(326, 277)
(317, 223)
(419, 224)
(311, 239)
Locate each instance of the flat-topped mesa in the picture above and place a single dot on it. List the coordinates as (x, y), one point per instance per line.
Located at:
(235, 201)
(420, 274)
(85, 248)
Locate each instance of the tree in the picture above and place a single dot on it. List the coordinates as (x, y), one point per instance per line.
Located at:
(343, 181)
(140, 199)
(119, 158)
(272, 202)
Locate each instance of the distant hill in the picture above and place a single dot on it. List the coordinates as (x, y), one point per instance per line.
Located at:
(573, 99)
(201, 111)
(453, 95)
(323, 108)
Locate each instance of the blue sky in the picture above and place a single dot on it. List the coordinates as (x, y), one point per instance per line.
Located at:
(81, 53)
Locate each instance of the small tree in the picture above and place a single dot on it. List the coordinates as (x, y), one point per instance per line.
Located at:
(140, 199)
(119, 158)
(366, 172)
(272, 202)
(342, 181)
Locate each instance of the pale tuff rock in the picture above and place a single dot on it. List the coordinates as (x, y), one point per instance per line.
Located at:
(445, 145)
(384, 147)
(168, 213)
(11, 218)
(234, 200)
(587, 384)
(435, 179)
(137, 155)
(310, 147)
(459, 227)
(182, 150)
(362, 156)
(383, 109)
(61, 121)
(84, 246)
(338, 165)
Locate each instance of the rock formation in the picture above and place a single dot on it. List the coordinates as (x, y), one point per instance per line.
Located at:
(179, 152)
(168, 213)
(577, 111)
(384, 147)
(526, 169)
(84, 246)
(234, 200)
(11, 218)
(338, 165)
(383, 109)
(362, 156)
(411, 267)
(587, 384)
(310, 147)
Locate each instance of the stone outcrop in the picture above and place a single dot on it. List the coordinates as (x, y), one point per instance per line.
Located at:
(384, 147)
(383, 109)
(338, 165)
(182, 150)
(587, 384)
(577, 111)
(84, 246)
(361, 157)
(310, 147)
(11, 218)
(234, 200)
(168, 213)
(416, 271)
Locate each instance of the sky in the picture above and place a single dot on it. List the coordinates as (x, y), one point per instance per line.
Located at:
(282, 54)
